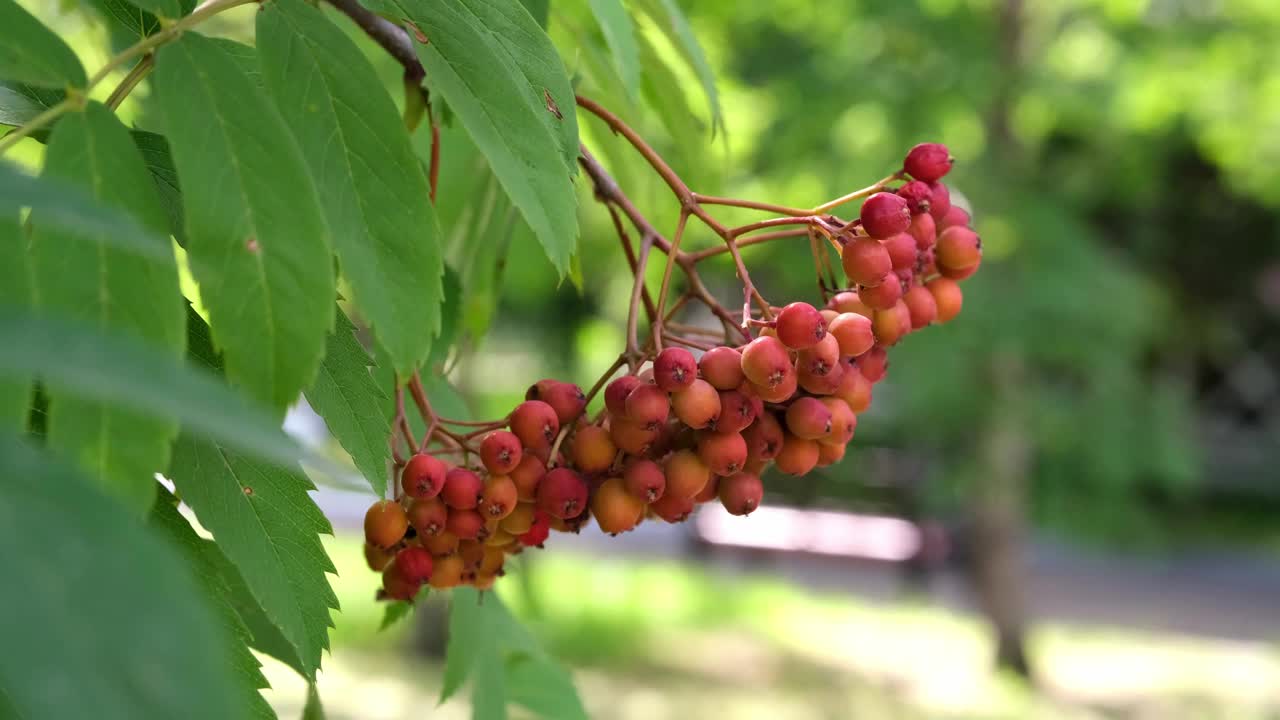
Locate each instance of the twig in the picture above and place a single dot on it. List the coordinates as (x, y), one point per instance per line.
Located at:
(666, 277)
(393, 38)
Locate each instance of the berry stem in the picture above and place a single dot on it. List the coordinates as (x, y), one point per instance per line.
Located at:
(752, 204)
(680, 340)
(666, 279)
(633, 310)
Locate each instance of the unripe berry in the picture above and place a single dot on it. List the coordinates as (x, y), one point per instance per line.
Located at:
(462, 489)
(873, 364)
(708, 492)
(884, 214)
(673, 508)
(535, 424)
(928, 161)
(500, 452)
(948, 297)
(466, 524)
(829, 454)
(423, 476)
(798, 455)
(778, 393)
(538, 532)
(630, 437)
(526, 477)
(385, 524)
(615, 509)
(853, 333)
(562, 494)
(764, 437)
(824, 384)
(428, 516)
(955, 216)
(565, 398)
(615, 394)
(499, 498)
(820, 358)
(686, 473)
(924, 231)
(891, 324)
(921, 305)
(376, 558)
(800, 326)
(591, 449)
(939, 200)
(645, 480)
(902, 251)
(866, 262)
(472, 554)
(843, 421)
(849, 302)
(519, 520)
(808, 418)
(492, 562)
(497, 536)
(958, 247)
(741, 494)
(916, 193)
(883, 296)
(854, 390)
(414, 564)
(722, 367)
(724, 453)
(396, 586)
(447, 572)
(442, 543)
(648, 406)
(697, 405)
(674, 369)
(766, 362)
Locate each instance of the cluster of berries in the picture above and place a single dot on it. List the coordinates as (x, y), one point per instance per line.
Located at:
(688, 429)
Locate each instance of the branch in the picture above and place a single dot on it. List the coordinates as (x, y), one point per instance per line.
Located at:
(393, 38)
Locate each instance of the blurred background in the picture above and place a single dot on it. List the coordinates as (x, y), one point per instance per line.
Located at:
(1061, 505)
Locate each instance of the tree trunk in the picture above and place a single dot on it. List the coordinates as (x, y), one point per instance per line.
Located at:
(999, 527)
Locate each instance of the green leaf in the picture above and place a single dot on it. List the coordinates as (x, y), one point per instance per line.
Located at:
(168, 9)
(269, 527)
(267, 637)
(620, 34)
(205, 561)
(127, 22)
(377, 200)
(352, 404)
(20, 102)
(399, 610)
(450, 319)
(31, 53)
(489, 686)
(120, 371)
(313, 709)
(502, 77)
(471, 634)
(671, 19)
(159, 162)
(543, 687)
(15, 290)
(254, 224)
(77, 275)
(103, 617)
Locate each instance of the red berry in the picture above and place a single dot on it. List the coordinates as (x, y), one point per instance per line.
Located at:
(526, 477)
(866, 262)
(883, 296)
(535, 423)
(736, 412)
(849, 302)
(924, 230)
(928, 161)
(916, 193)
(630, 437)
(921, 305)
(958, 248)
(939, 200)
(843, 421)
(674, 369)
(946, 294)
(766, 362)
(648, 406)
(423, 476)
(955, 215)
(741, 494)
(709, 492)
(764, 437)
(902, 251)
(644, 479)
(885, 214)
(698, 405)
(385, 524)
(562, 493)
(686, 474)
(466, 524)
(798, 455)
(723, 453)
(824, 384)
(462, 489)
(500, 452)
(539, 531)
(722, 367)
(615, 395)
(396, 586)
(819, 359)
(800, 325)
(873, 364)
(779, 393)
(414, 564)
(428, 516)
(592, 450)
(673, 508)
(808, 418)
(565, 398)
(853, 333)
(854, 389)
(499, 497)
(615, 509)
(890, 325)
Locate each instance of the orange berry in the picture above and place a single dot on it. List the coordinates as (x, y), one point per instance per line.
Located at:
(724, 453)
(615, 509)
(385, 524)
(686, 474)
(697, 404)
(591, 449)
(947, 296)
(798, 455)
(722, 367)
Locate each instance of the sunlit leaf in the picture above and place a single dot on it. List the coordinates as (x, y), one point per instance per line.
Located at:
(620, 34)
(31, 53)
